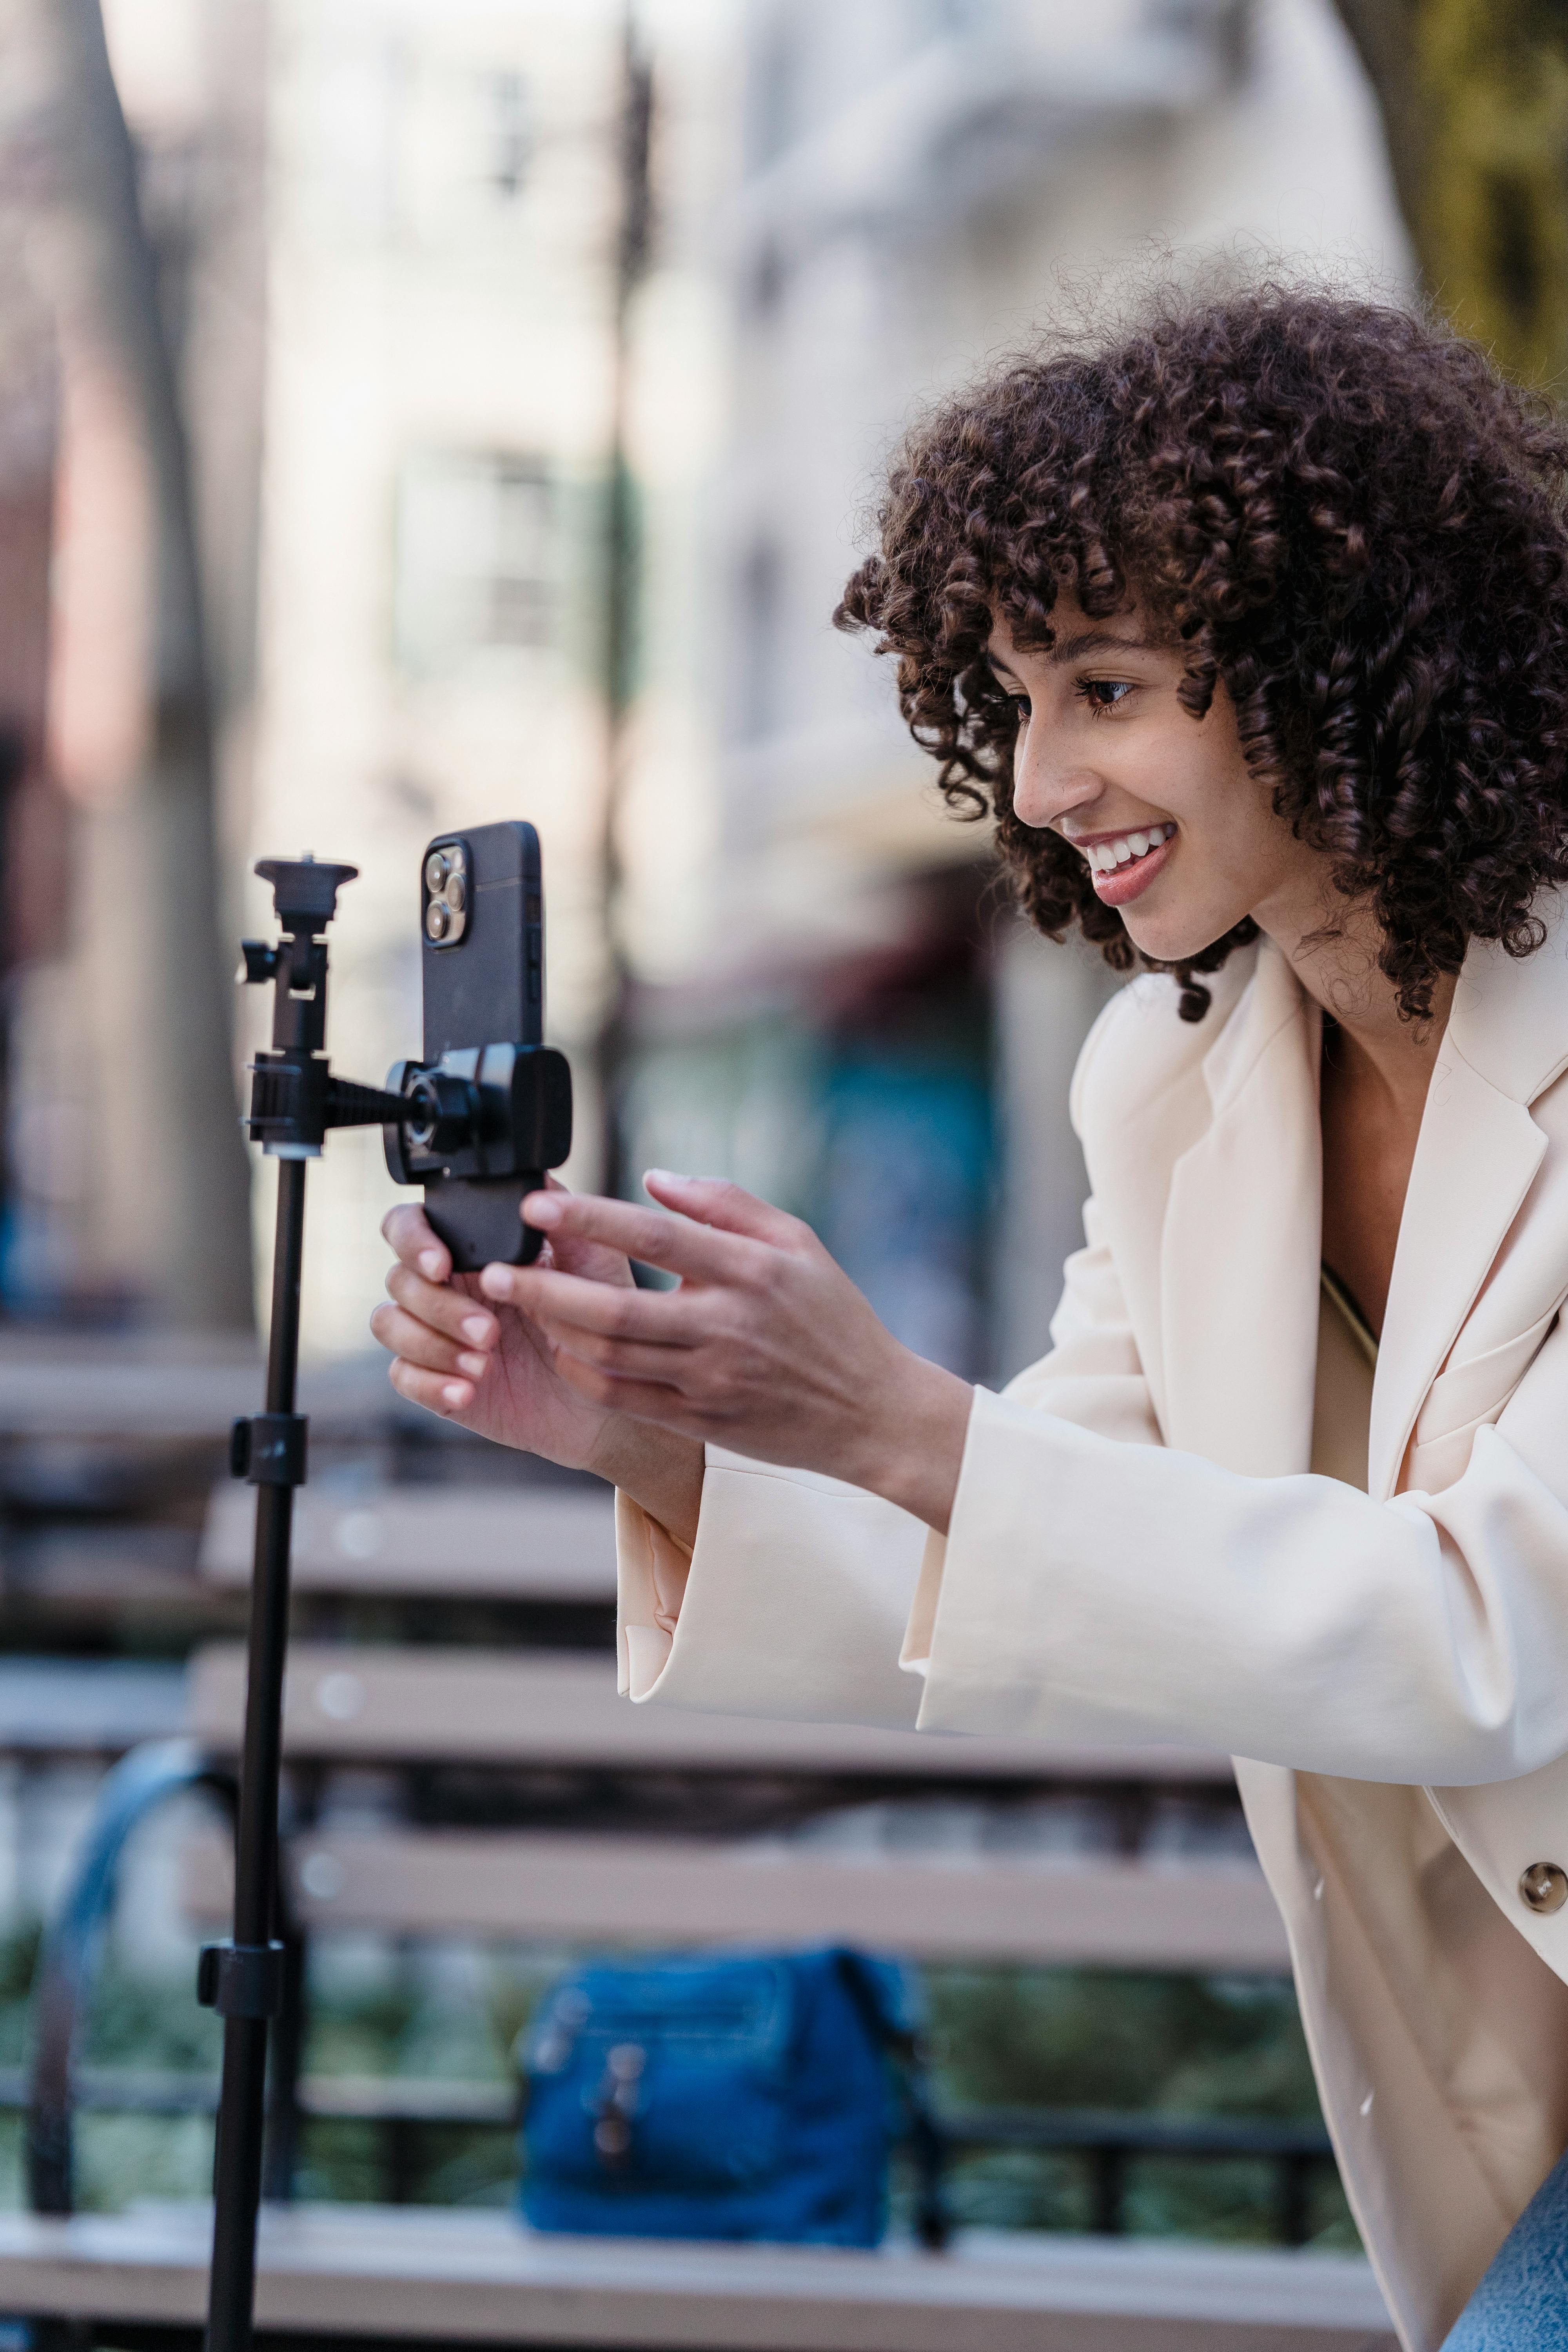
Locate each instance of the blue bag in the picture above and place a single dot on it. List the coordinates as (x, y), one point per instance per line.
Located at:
(751, 2095)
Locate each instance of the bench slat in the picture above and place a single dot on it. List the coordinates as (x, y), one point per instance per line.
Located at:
(509, 1543)
(557, 1887)
(560, 1708)
(445, 2276)
(175, 1385)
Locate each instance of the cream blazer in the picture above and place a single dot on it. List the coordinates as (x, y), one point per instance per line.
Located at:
(1137, 1552)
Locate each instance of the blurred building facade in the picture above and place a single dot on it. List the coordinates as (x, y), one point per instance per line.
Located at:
(865, 1031)
(389, 236)
(445, 205)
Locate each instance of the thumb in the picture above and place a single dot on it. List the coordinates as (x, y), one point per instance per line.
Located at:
(714, 1200)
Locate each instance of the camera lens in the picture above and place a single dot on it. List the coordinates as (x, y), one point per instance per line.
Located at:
(437, 919)
(457, 897)
(435, 871)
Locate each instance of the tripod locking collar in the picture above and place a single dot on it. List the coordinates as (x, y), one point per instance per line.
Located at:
(270, 1449)
(241, 1980)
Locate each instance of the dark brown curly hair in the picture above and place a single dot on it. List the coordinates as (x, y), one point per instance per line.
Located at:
(1337, 509)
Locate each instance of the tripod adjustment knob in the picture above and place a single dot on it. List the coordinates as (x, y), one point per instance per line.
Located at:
(259, 962)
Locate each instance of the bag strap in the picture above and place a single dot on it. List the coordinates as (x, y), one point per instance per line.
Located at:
(907, 2052)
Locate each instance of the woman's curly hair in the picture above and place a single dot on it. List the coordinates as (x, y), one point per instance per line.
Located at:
(1340, 511)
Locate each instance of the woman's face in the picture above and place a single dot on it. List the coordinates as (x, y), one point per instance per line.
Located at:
(1178, 832)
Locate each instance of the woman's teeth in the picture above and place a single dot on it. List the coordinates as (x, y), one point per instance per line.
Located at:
(1105, 857)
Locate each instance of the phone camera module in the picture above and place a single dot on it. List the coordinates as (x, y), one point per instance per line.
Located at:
(445, 894)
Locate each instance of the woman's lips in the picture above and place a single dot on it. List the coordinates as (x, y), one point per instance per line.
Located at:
(1124, 882)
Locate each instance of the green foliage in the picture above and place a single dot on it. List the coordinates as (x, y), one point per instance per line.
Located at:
(1109, 2038)
(1474, 95)
(1102, 2038)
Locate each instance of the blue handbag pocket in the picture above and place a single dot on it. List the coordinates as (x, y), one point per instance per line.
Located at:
(671, 2074)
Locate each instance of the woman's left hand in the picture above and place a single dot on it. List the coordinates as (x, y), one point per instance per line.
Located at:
(766, 1348)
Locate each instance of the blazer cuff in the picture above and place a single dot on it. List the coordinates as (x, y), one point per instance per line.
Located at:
(790, 1604)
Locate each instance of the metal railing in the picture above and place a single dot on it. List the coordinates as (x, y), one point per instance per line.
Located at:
(403, 2109)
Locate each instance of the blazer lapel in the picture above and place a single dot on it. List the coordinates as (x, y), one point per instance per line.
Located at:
(1238, 1259)
(1475, 1158)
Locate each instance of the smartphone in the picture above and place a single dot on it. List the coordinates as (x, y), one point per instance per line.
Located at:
(481, 933)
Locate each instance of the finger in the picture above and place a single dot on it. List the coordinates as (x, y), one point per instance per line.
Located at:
(449, 1398)
(408, 1230)
(452, 1312)
(565, 1302)
(676, 1243)
(590, 1258)
(714, 1200)
(402, 1335)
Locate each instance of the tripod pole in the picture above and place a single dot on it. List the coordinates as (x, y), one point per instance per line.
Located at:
(243, 1978)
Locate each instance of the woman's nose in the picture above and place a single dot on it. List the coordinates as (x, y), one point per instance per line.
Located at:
(1047, 788)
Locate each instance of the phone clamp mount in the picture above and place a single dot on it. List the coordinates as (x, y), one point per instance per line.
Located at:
(500, 1110)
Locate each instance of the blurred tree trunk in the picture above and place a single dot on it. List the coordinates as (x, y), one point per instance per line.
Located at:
(1474, 95)
(196, 1268)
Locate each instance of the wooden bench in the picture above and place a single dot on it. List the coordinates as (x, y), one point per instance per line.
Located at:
(937, 1848)
(956, 1847)
(387, 2275)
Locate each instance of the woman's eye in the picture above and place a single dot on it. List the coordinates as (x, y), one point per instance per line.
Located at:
(1104, 693)
(1021, 704)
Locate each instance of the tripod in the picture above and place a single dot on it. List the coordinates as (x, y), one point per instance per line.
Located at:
(494, 1113)
(294, 1100)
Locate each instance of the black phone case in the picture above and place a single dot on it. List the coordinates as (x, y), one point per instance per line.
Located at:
(486, 989)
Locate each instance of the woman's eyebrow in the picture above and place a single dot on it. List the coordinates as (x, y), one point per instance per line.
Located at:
(1097, 641)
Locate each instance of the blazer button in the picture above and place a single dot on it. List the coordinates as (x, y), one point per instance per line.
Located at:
(1544, 1886)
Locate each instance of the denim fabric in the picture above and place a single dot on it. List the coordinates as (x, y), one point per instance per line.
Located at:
(1521, 2305)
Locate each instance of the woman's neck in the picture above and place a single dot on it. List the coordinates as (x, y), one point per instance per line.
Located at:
(1375, 1074)
(1333, 952)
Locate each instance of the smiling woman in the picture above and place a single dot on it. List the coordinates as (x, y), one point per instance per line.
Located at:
(1250, 626)
(1336, 516)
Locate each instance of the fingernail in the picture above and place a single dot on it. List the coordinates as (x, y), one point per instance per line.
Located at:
(430, 1263)
(477, 1327)
(475, 1366)
(456, 1392)
(541, 1209)
(496, 1280)
(666, 1176)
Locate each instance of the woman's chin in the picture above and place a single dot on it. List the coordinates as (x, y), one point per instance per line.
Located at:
(1167, 942)
(1172, 935)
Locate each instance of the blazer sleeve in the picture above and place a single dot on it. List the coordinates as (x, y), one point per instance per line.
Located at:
(797, 1598)
(1294, 1620)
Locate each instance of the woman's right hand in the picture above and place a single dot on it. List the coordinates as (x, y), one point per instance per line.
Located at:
(489, 1369)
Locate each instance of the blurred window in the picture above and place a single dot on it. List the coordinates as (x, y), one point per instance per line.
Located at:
(510, 132)
(475, 559)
